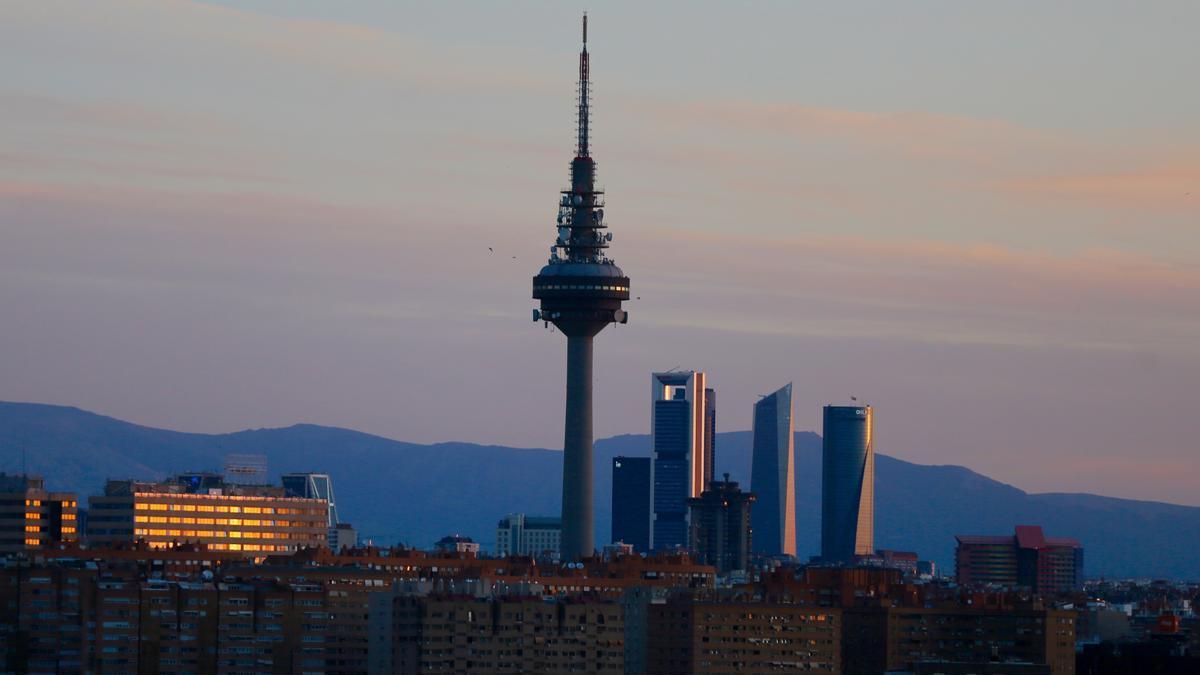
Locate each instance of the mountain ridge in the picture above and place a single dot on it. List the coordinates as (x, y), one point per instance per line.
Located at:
(398, 491)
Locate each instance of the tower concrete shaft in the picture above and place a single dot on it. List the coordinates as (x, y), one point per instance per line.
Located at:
(578, 537)
(581, 292)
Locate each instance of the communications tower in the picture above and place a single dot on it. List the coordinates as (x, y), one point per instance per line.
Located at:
(581, 291)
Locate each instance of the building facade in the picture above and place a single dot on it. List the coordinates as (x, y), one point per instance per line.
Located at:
(773, 475)
(688, 635)
(203, 509)
(631, 502)
(1028, 559)
(720, 526)
(847, 484)
(31, 517)
(534, 536)
(682, 423)
(315, 486)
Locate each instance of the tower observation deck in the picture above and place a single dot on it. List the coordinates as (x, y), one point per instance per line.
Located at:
(581, 291)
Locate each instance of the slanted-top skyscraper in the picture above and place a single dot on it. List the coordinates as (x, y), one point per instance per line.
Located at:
(581, 291)
(773, 475)
(847, 484)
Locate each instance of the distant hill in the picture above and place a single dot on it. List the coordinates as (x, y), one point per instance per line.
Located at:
(395, 491)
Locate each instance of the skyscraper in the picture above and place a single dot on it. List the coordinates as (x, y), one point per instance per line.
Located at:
(631, 502)
(847, 484)
(720, 525)
(581, 291)
(773, 475)
(682, 423)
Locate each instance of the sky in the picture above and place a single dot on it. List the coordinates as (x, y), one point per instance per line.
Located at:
(982, 219)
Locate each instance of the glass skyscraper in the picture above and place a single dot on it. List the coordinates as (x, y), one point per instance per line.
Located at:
(682, 425)
(631, 502)
(847, 484)
(773, 475)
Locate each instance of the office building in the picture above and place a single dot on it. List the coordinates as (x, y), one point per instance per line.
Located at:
(580, 290)
(847, 484)
(1027, 558)
(631, 502)
(31, 517)
(720, 526)
(773, 475)
(682, 422)
(533, 536)
(202, 508)
(315, 486)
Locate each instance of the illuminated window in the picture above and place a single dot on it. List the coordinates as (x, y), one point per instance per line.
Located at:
(206, 521)
(157, 519)
(157, 507)
(252, 523)
(158, 533)
(68, 516)
(252, 547)
(189, 507)
(205, 508)
(33, 528)
(173, 533)
(235, 521)
(188, 533)
(235, 509)
(252, 509)
(204, 533)
(235, 547)
(173, 520)
(235, 534)
(222, 509)
(139, 530)
(188, 521)
(68, 530)
(32, 542)
(30, 515)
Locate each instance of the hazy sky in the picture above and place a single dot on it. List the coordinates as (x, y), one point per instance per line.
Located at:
(984, 219)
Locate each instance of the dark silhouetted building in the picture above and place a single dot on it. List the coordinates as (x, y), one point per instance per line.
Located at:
(1028, 559)
(631, 502)
(720, 526)
(847, 484)
(580, 291)
(773, 475)
(695, 635)
(681, 423)
(31, 517)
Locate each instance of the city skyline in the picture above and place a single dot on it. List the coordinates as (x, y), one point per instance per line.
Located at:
(218, 218)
